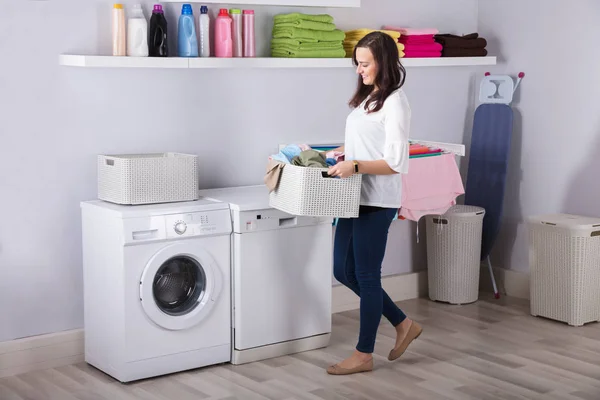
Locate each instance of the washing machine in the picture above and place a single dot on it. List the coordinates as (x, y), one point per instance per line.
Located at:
(281, 274)
(157, 296)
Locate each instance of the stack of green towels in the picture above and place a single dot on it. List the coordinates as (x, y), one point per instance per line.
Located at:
(306, 36)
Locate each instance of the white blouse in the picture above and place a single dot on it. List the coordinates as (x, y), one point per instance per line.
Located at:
(381, 135)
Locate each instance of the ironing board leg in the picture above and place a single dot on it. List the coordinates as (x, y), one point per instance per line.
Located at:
(496, 293)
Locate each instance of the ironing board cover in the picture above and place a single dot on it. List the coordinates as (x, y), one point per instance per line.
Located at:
(488, 165)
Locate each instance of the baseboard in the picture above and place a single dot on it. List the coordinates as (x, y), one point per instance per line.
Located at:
(41, 352)
(65, 348)
(398, 287)
(509, 282)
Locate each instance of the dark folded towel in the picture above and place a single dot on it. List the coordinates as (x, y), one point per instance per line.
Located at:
(469, 41)
(450, 52)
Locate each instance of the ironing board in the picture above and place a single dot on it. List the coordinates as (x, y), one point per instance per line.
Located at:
(489, 157)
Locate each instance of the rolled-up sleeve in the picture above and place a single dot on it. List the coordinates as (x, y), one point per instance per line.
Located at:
(397, 126)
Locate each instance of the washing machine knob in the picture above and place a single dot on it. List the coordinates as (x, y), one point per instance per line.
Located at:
(180, 227)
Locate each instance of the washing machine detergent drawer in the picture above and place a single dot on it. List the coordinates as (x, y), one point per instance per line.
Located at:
(282, 284)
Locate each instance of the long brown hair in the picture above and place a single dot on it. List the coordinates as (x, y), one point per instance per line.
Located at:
(390, 75)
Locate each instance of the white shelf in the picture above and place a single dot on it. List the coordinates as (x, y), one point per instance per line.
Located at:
(87, 61)
(300, 3)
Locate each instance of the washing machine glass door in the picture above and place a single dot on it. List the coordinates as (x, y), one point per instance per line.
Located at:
(179, 286)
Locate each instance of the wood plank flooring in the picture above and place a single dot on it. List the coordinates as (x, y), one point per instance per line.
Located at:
(492, 349)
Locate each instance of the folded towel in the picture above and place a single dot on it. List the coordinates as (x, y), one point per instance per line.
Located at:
(466, 42)
(292, 17)
(451, 52)
(293, 49)
(424, 47)
(353, 43)
(302, 45)
(417, 39)
(412, 31)
(301, 23)
(422, 54)
(360, 33)
(350, 52)
(299, 33)
(316, 53)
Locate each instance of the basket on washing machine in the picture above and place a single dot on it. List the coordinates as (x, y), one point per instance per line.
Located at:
(147, 178)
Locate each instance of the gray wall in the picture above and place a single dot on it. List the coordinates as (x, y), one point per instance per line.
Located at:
(555, 160)
(55, 120)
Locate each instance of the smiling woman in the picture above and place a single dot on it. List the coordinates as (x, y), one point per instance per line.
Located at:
(376, 145)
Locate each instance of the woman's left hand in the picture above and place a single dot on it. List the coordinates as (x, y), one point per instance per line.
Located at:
(343, 169)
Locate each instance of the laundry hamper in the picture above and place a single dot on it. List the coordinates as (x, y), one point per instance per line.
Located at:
(454, 254)
(147, 178)
(564, 262)
(309, 191)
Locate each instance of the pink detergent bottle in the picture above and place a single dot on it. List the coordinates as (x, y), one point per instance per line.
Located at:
(223, 39)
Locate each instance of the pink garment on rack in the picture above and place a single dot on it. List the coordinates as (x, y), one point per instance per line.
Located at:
(304, 147)
(430, 187)
(412, 31)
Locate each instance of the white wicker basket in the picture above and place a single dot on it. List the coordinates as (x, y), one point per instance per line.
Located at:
(311, 192)
(454, 254)
(564, 262)
(147, 178)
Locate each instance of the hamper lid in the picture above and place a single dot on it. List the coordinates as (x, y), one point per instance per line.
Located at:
(464, 211)
(567, 221)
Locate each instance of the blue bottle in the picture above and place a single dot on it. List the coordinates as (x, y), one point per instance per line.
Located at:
(187, 42)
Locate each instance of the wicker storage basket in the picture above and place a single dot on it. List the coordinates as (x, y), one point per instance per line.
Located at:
(564, 260)
(147, 178)
(311, 192)
(453, 254)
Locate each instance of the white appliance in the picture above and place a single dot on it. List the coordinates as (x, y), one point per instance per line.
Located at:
(281, 274)
(156, 287)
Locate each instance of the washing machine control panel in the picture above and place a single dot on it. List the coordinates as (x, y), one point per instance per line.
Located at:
(198, 223)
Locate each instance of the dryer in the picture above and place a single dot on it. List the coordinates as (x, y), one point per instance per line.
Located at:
(282, 276)
(156, 287)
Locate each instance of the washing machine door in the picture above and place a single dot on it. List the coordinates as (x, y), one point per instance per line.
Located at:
(180, 285)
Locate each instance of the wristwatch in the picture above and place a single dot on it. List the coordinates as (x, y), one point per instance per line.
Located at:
(355, 166)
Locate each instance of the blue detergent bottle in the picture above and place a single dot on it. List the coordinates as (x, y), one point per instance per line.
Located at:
(187, 42)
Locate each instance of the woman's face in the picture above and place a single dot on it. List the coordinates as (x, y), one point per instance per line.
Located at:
(367, 67)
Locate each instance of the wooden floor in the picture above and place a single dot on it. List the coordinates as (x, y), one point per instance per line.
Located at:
(492, 349)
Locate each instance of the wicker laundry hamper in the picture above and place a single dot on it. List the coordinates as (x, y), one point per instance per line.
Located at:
(133, 179)
(454, 254)
(564, 262)
(308, 191)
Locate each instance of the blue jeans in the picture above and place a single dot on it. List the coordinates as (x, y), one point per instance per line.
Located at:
(358, 252)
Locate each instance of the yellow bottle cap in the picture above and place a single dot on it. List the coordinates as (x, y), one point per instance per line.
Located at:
(119, 6)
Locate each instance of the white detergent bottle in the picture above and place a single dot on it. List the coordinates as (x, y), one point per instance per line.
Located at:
(204, 28)
(137, 33)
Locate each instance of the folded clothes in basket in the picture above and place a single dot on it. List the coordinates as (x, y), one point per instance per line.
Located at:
(299, 155)
(273, 174)
(310, 158)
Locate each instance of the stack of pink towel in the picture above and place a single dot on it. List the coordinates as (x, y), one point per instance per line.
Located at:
(418, 42)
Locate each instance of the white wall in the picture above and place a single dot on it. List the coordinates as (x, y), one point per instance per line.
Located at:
(555, 163)
(55, 120)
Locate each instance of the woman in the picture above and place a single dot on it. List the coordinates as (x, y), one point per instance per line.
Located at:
(376, 145)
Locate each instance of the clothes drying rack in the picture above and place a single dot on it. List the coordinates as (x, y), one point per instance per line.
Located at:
(454, 148)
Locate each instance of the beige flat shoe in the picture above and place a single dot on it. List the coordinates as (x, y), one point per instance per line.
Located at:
(337, 370)
(413, 332)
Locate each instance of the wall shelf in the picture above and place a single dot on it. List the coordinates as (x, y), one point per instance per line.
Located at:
(89, 61)
(299, 3)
